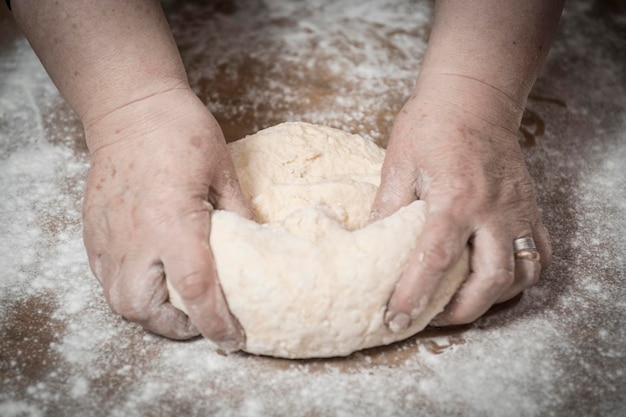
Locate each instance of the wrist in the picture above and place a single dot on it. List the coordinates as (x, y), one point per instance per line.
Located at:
(468, 99)
(96, 104)
(149, 115)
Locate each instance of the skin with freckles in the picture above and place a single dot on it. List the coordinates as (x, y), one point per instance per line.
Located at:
(147, 218)
(159, 161)
(160, 165)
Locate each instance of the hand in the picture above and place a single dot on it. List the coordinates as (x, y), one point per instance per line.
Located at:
(159, 167)
(471, 174)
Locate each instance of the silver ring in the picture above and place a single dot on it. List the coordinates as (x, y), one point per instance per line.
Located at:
(525, 248)
(524, 243)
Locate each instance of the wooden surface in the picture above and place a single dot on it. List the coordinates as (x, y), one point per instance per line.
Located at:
(558, 350)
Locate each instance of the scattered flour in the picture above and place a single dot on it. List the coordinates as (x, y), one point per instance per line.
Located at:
(558, 351)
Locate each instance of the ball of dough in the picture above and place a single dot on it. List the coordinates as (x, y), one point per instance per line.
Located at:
(311, 278)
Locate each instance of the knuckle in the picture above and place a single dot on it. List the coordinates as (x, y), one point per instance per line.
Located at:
(437, 258)
(124, 304)
(134, 313)
(219, 330)
(127, 310)
(456, 313)
(192, 285)
(501, 278)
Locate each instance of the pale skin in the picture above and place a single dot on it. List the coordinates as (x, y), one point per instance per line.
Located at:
(454, 145)
(160, 164)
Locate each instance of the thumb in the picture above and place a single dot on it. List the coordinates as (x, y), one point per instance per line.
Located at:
(397, 189)
(226, 193)
(190, 268)
(232, 199)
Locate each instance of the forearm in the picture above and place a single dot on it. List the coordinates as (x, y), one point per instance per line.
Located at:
(102, 55)
(485, 55)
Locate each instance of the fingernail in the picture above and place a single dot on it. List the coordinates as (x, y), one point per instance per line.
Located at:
(231, 342)
(399, 322)
(230, 345)
(235, 339)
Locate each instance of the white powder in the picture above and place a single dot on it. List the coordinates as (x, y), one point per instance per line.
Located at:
(345, 65)
(559, 351)
(19, 409)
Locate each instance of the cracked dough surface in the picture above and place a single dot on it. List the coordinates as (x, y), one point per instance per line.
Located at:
(308, 280)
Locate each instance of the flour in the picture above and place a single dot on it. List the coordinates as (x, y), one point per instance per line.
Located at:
(314, 280)
(558, 351)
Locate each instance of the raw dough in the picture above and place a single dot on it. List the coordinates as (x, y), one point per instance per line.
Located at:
(311, 281)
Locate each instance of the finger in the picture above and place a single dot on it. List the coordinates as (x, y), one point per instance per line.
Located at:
(492, 274)
(528, 266)
(139, 295)
(542, 240)
(438, 249)
(397, 189)
(190, 268)
(527, 274)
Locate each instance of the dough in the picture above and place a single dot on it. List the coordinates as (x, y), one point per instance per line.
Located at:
(311, 281)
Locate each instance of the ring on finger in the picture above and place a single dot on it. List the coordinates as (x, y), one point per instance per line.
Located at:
(525, 248)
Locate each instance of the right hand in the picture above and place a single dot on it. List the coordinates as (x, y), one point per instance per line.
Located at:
(478, 193)
(160, 165)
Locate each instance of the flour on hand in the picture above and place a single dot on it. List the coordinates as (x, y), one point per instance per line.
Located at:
(311, 279)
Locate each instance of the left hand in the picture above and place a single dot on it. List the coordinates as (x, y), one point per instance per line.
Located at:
(160, 166)
(478, 192)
